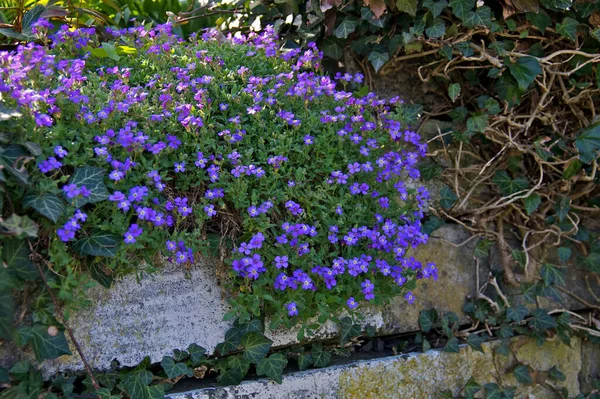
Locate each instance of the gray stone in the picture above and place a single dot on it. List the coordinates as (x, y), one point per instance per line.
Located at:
(415, 376)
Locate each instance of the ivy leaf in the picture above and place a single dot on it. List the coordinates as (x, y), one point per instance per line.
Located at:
(321, 358)
(562, 207)
(16, 256)
(98, 244)
(447, 197)
(305, 360)
(471, 388)
(552, 274)
(43, 344)
(525, 70)
(588, 142)
(568, 28)
(542, 320)
(461, 8)
(196, 354)
(481, 16)
(591, 262)
(254, 325)
(332, 49)
(174, 370)
(238, 362)
(346, 27)
(272, 367)
(482, 249)
(492, 391)
(137, 382)
(532, 203)
(100, 276)
(378, 58)
(517, 314)
(507, 185)
(475, 341)
(437, 29)
(30, 18)
(93, 179)
(522, 374)
(429, 170)
(12, 160)
(7, 305)
(231, 343)
(20, 226)
(436, 7)
(555, 374)
(427, 318)
(454, 91)
(230, 376)
(407, 6)
(564, 254)
(452, 345)
(572, 168)
(256, 346)
(348, 330)
(541, 20)
(48, 205)
(477, 123)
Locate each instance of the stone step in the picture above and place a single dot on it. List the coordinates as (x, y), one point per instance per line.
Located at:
(415, 375)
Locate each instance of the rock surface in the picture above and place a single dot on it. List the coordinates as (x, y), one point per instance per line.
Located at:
(415, 376)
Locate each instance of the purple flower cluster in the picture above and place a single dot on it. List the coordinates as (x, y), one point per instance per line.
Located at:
(67, 232)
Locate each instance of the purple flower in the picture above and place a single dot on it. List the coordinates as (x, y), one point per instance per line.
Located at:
(84, 192)
(65, 235)
(80, 215)
(352, 304)
(179, 167)
(60, 152)
(43, 119)
(281, 261)
(171, 246)
(292, 309)
(210, 210)
(181, 257)
(71, 190)
(409, 297)
(308, 140)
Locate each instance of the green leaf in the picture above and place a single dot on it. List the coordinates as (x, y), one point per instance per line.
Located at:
(98, 244)
(7, 305)
(378, 58)
(346, 27)
(454, 91)
(532, 203)
(272, 367)
(332, 49)
(31, 17)
(596, 35)
(437, 29)
(321, 358)
(507, 185)
(542, 320)
(446, 51)
(13, 159)
(100, 276)
(458, 114)
(564, 254)
(43, 344)
(541, 20)
(562, 207)
(503, 349)
(407, 6)
(20, 226)
(588, 142)
(464, 48)
(475, 341)
(492, 391)
(447, 197)
(452, 345)
(573, 167)
(239, 363)
(174, 370)
(256, 346)
(429, 170)
(196, 354)
(477, 123)
(525, 70)
(137, 382)
(482, 249)
(517, 314)
(552, 274)
(436, 7)
(568, 28)
(93, 179)
(48, 205)
(232, 376)
(348, 330)
(427, 318)
(461, 8)
(591, 262)
(305, 360)
(16, 256)
(555, 374)
(471, 388)
(522, 374)
(508, 90)
(481, 16)
(231, 343)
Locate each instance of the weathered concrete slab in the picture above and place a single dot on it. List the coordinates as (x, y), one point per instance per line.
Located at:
(415, 376)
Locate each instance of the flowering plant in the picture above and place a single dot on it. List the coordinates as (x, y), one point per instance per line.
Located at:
(153, 147)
